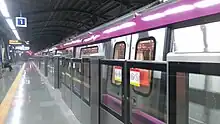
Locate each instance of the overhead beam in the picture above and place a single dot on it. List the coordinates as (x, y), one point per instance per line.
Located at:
(51, 30)
(66, 20)
(145, 2)
(123, 2)
(51, 33)
(42, 36)
(48, 33)
(57, 26)
(126, 3)
(46, 36)
(57, 38)
(31, 13)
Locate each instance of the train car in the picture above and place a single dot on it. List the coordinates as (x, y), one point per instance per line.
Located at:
(148, 97)
(186, 26)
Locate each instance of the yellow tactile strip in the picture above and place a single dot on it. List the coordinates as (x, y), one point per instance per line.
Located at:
(6, 103)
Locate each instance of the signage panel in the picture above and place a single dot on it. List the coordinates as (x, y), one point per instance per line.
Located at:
(21, 22)
(15, 42)
(22, 48)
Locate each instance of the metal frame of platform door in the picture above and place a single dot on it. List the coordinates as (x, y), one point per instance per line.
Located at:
(185, 67)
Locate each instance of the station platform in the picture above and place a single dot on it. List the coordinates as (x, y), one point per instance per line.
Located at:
(26, 97)
(7, 78)
(62, 90)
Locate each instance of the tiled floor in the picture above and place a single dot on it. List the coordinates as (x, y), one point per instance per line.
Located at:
(7, 79)
(34, 103)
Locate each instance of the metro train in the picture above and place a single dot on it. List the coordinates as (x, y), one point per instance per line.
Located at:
(189, 26)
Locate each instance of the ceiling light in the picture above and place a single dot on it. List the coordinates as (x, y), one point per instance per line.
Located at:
(11, 24)
(5, 13)
(16, 34)
(206, 3)
(4, 9)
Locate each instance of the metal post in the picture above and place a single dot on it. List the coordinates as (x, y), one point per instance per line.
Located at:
(56, 73)
(46, 66)
(95, 89)
(82, 79)
(39, 62)
(171, 95)
(182, 98)
(126, 93)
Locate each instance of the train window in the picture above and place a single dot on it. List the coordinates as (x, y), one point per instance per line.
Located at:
(145, 50)
(182, 43)
(119, 50)
(69, 52)
(211, 30)
(202, 36)
(89, 50)
(119, 53)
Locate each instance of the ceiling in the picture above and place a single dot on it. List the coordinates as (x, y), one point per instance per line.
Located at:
(4, 29)
(50, 21)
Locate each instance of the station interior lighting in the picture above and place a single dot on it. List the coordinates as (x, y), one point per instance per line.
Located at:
(182, 8)
(11, 24)
(5, 13)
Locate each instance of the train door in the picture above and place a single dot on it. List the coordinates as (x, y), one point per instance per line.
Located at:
(148, 94)
(120, 51)
(112, 90)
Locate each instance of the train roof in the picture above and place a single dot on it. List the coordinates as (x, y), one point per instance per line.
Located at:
(145, 19)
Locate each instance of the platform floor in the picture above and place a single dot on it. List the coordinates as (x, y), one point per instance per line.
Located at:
(31, 100)
(7, 79)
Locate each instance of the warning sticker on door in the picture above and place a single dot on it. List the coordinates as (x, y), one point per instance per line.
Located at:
(118, 74)
(135, 77)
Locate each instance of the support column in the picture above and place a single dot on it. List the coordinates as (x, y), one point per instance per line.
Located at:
(56, 73)
(95, 89)
(46, 66)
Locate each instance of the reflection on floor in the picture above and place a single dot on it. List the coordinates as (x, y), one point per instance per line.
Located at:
(37, 103)
(7, 79)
